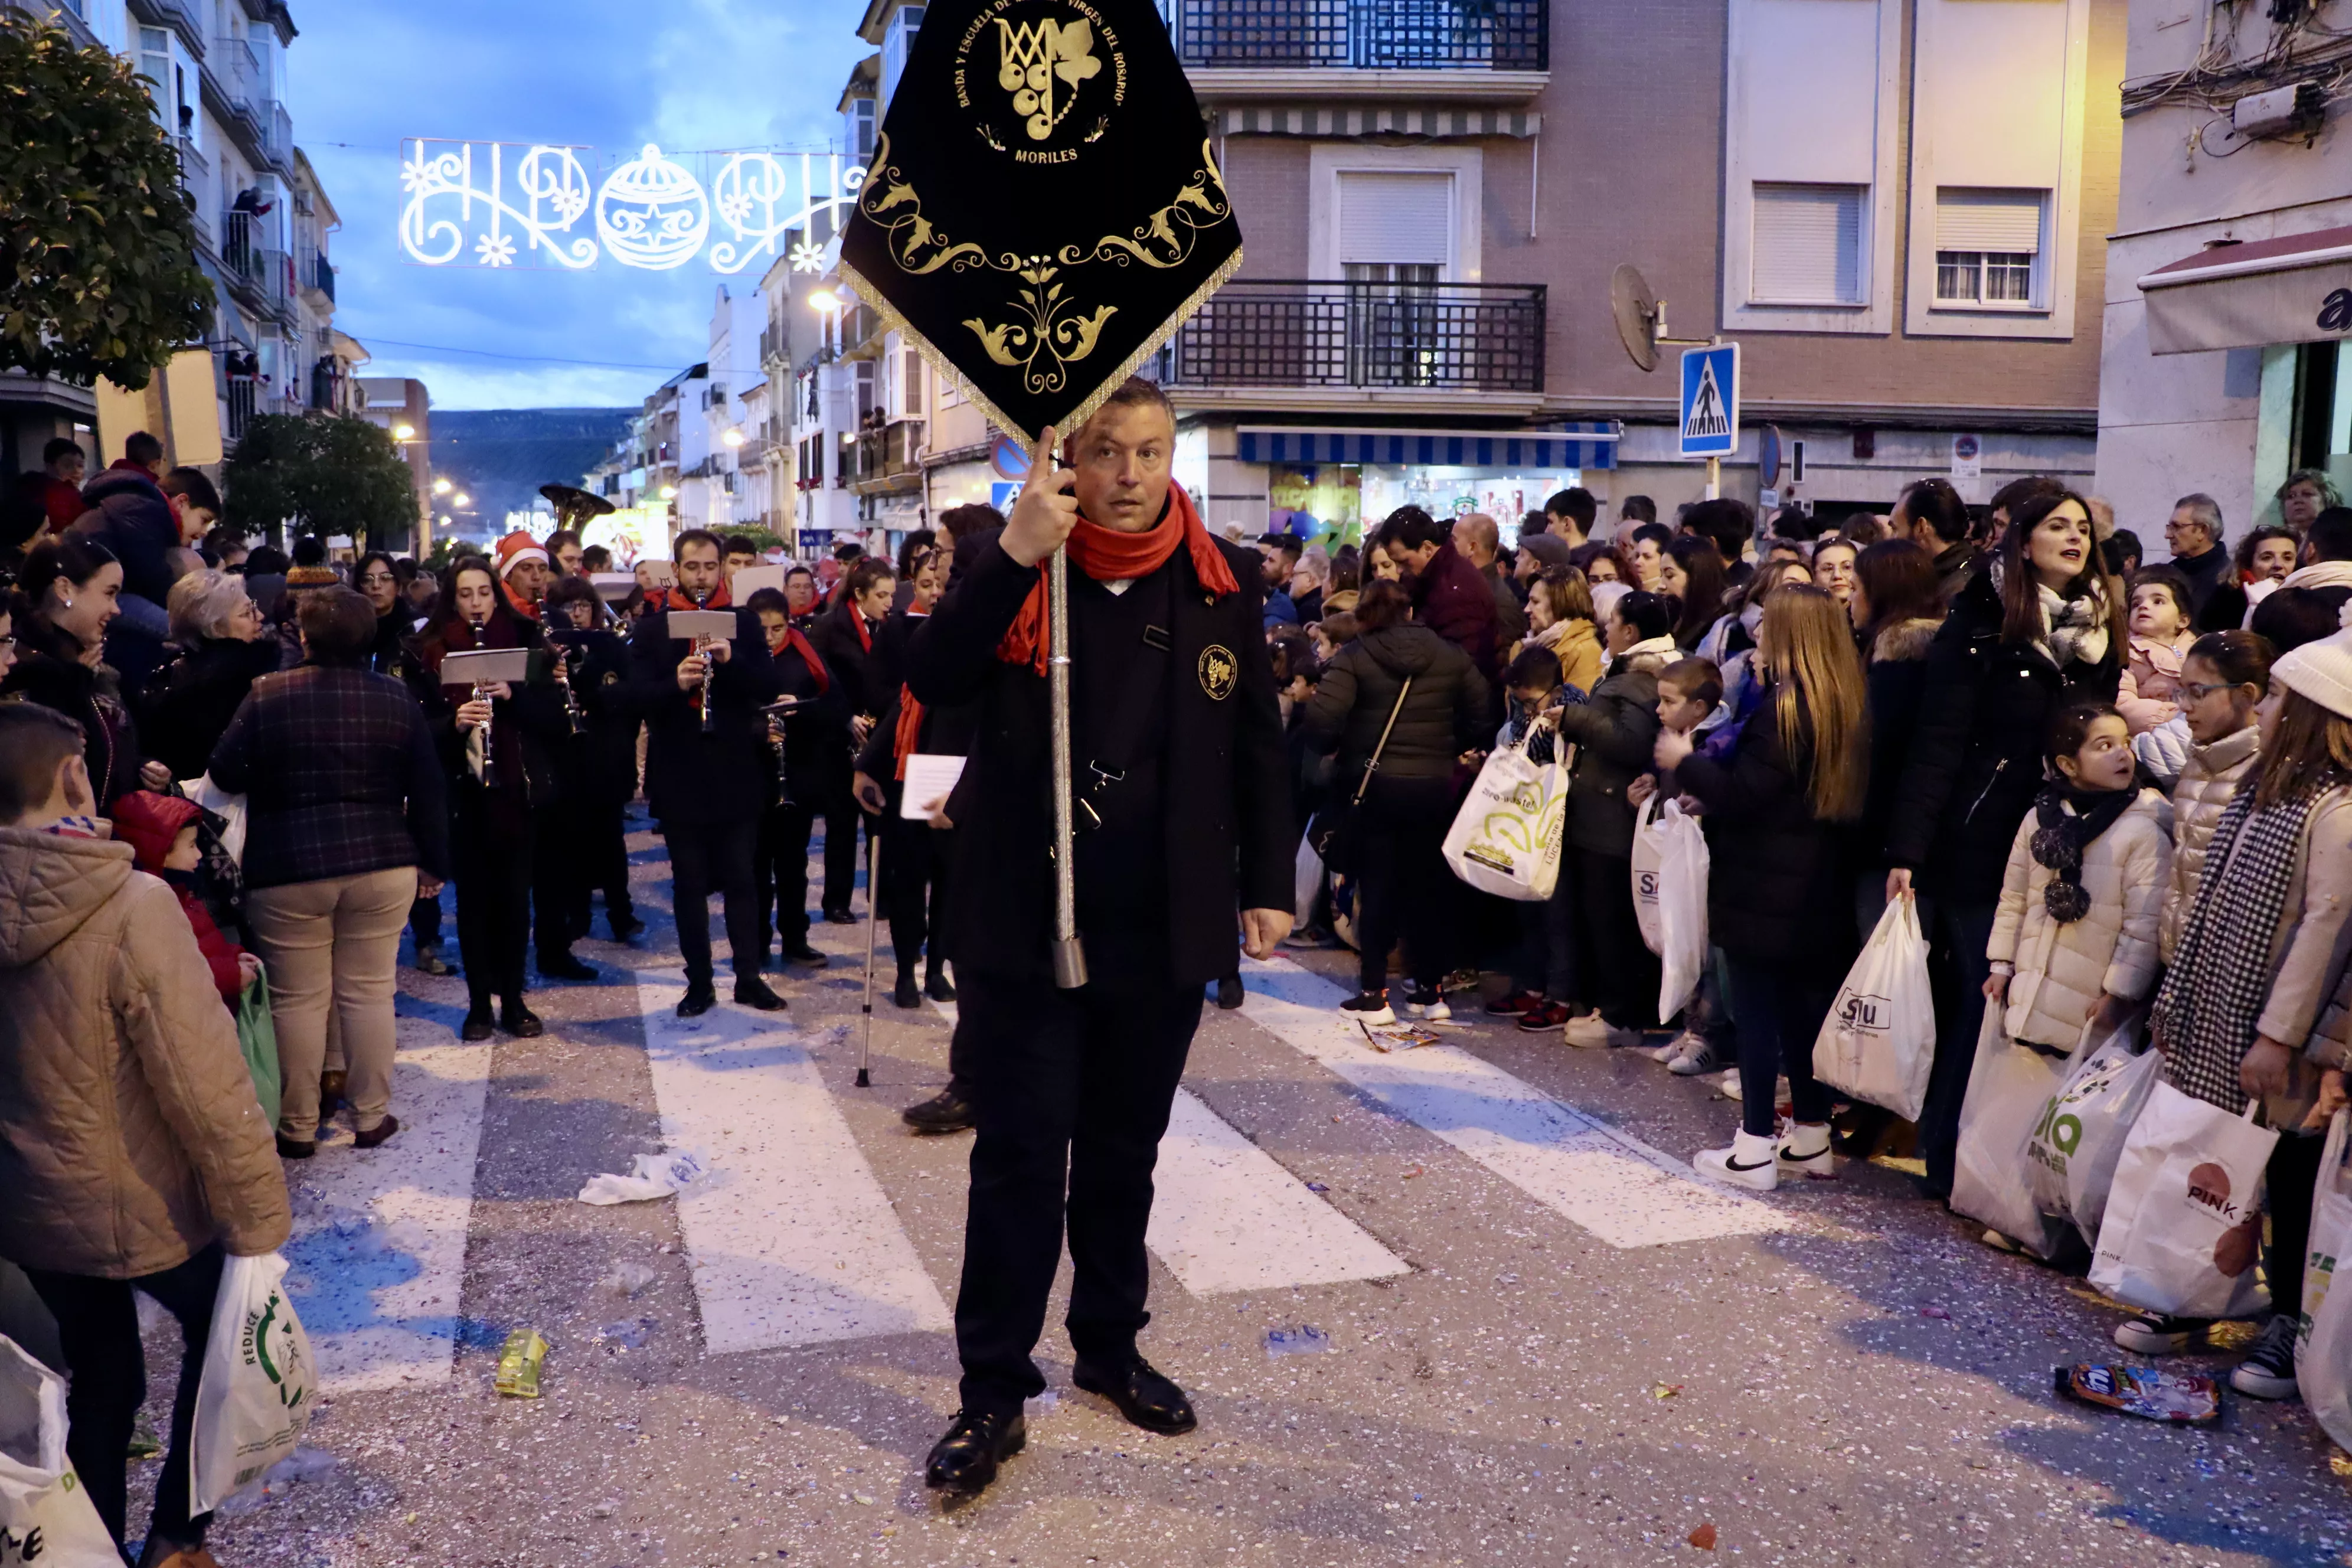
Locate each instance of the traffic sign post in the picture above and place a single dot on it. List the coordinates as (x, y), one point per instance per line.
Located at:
(1710, 408)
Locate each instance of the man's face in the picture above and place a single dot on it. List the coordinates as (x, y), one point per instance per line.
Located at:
(1270, 565)
(194, 520)
(70, 468)
(698, 569)
(800, 591)
(1414, 560)
(2186, 535)
(1121, 457)
(567, 561)
(1467, 540)
(528, 581)
(736, 562)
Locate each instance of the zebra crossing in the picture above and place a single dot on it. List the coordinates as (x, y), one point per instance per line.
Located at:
(795, 1240)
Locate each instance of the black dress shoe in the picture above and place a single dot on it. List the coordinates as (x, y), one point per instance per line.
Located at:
(1146, 1399)
(945, 1112)
(936, 987)
(697, 999)
(377, 1133)
(1230, 993)
(563, 967)
(907, 993)
(752, 992)
(294, 1149)
(965, 1459)
(841, 917)
(520, 1022)
(625, 927)
(800, 951)
(476, 1026)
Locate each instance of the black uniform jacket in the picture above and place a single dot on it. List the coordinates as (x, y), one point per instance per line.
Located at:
(1229, 838)
(834, 638)
(726, 774)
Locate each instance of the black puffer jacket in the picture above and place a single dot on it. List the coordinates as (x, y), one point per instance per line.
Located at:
(1975, 763)
(1898, 680)
(48, 671)
(187, 704)
(1777, 885)
(1614, 733)
(1443, 715)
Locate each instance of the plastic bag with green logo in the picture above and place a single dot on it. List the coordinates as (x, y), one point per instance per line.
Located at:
(2070, 1161)
(257, 1034)
(46, 1515)
(259, 1383)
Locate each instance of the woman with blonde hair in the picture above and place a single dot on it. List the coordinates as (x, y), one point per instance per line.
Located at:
(1561, 617)
(1777, 810)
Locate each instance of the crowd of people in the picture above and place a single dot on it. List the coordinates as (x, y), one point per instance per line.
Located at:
(2110, 789)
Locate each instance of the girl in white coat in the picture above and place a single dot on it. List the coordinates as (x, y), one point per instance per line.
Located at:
(2224, 675)
(2074, 935)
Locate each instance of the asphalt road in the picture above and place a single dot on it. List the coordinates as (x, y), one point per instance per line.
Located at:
(1456, 1305)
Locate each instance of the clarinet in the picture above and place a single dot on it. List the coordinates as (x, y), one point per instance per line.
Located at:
(572, 709)
(709, 715)
(490, 755)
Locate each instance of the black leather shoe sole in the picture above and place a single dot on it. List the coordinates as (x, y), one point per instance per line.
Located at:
(476, 1026)
(840, 917)
(522, 1023)
(939, 1114)
(378, 1133)
(937, 989)
(758, 996)
(1168, 1421)
(623, 930)
(907, 993)
(959, 1464)
(805, 954)
(568, 969)
(695, 1004)
(287, 1149)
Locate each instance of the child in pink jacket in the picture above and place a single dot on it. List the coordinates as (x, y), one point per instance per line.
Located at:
(2160, 639)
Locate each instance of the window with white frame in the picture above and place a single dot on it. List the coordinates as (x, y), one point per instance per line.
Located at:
(1988, 247)
(1395, 227)
(1806, 243)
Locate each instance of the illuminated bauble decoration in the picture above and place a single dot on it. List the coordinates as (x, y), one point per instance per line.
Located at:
(652, 213)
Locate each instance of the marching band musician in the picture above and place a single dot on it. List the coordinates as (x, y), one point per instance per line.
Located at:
(844, 636)
(914, 871)
(809, 766)
(524, 573)
(709, 786)
(600, 758)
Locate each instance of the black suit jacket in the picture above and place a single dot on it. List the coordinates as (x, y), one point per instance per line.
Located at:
(1230, 840)
(834, 638)
(691, 777)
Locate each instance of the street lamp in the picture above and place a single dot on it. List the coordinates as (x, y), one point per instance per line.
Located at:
(441, 487)
(462, 501)
(734, 436)
(404, 432)
(669, 493)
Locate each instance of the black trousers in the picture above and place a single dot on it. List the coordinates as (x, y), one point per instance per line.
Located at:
(492, 851)
(782, 872)
(716, 856)
(557, 862)
(424, 923)
(915, 890)
(1616, 966)
(601, 859)
(1401, 882)
(1071, 1091)
(1776, 1007)
(98, 1329)
(2292, 1173)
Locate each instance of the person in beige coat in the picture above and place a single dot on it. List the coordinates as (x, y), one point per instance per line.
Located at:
(2224, 675)
(132, 1150)
(2074, 934)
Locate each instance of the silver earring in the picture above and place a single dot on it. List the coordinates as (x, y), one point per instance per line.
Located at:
(68, 603)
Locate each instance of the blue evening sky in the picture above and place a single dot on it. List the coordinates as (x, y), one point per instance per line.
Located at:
(683, 73)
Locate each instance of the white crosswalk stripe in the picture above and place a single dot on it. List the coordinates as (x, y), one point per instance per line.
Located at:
(794, 1241)
(1618, 1187)
(378, 1254)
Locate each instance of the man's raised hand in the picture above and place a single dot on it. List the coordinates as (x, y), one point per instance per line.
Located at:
(1047, 509)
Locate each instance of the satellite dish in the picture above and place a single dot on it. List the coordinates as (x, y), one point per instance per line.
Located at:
(1637, 313)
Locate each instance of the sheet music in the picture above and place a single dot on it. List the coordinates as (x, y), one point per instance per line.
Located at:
(930, 780)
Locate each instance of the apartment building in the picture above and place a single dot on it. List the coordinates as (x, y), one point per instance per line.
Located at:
(217, 71)
(2228, 362)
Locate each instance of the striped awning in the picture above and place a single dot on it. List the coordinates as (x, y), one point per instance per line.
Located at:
(1585, 446)
(1375, 119)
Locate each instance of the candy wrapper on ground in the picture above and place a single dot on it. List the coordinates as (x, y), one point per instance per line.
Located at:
(2181, 1398)
(519, 1363)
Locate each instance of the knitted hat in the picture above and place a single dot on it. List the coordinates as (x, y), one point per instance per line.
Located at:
(517, 548)
(2322, 670)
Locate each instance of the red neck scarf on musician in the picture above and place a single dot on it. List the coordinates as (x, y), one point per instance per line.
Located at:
(910, 720)
(516, 602)
(674, 598)
(458, 634)
(1106, 555)
(789, 637)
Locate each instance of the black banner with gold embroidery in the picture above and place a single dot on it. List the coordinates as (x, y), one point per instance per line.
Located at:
(1043, 210)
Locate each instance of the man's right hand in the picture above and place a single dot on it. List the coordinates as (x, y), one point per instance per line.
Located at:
(1899, 882)
(868, 792)
(690, 672)
(1047, 508)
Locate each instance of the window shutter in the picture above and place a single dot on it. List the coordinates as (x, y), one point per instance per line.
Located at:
(1807, 245)
(1391, 217)
(1969, 219)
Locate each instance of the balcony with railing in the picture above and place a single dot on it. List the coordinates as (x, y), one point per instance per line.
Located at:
(1509, 36)
(241, 252)
(236, 68)
(886, 457)
(278, 284)
(1425, 337)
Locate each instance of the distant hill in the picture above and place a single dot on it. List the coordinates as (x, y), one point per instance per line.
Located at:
(501, 455)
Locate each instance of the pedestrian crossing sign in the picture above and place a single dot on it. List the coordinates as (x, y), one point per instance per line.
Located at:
(1711, 403)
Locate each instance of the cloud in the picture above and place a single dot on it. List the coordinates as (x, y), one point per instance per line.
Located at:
(694, 74)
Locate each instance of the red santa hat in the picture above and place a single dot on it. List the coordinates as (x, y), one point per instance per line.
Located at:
(517, 548)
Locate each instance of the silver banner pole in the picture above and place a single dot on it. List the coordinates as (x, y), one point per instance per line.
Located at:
(1069, 954)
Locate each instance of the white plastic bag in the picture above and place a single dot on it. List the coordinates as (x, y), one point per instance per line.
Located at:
(650, 1176)
(2184, 1221)
(46, 1516)
(1506, 839)
(2323, 1342)
(1681, 907)
(2071, 1159)
(1649, 850)
(1305, 883)
(259, 1381)
(229, 807)
(2008, 1086)
(1878, 1043)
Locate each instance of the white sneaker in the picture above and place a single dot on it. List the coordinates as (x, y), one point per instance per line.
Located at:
(1430, 1005)
(1699, 1059)
(1806, 1149)
(1673, 1049)
(1587, 1032)
(1369, 1008)
(1750, 1162)
(1727, 1086)
(1618, 1039)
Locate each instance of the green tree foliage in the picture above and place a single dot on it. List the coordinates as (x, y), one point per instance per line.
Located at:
(329, 473)
(98, 264)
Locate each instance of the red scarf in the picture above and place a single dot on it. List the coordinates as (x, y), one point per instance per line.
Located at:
(910, 728)
(1106, 554)
(799, 644)
(671, 599)
(515, 602)
(458, 634)
(865, 633)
